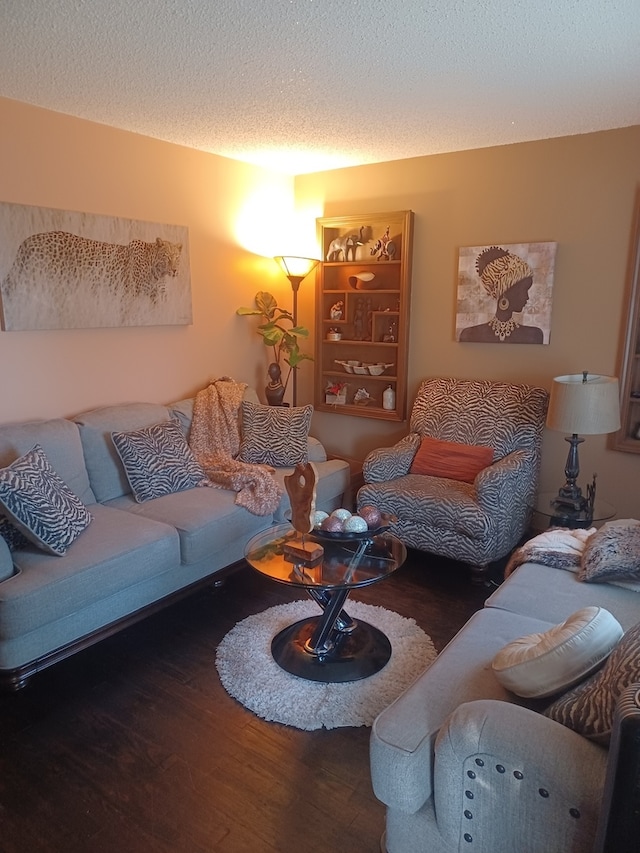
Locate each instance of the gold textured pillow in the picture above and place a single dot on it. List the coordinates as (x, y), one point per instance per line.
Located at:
(437, 458)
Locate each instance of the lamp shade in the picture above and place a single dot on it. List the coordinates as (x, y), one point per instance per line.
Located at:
(292, 265)
(584, 403)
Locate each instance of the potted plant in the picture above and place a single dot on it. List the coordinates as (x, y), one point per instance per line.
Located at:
(277, 331)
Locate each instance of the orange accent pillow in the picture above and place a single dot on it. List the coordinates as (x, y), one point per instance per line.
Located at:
(450, 459)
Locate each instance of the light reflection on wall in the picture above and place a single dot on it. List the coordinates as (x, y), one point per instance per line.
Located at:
(268, 222)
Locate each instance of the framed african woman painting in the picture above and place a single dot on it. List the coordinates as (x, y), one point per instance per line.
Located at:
(504, 293)
(63, 269)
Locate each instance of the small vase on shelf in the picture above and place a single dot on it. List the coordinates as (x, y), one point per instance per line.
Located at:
(389, 399)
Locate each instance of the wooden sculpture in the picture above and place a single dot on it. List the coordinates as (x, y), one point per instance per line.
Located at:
(301, 488)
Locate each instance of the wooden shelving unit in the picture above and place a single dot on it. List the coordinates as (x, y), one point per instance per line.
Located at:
(628, 437)
(372, 290)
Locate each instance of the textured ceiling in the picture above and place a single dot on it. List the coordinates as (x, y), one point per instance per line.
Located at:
(307, 85)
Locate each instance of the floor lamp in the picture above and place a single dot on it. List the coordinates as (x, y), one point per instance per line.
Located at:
(581, 403)
(295, 269)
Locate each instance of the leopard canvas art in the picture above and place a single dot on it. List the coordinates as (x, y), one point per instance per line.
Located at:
(89, 271)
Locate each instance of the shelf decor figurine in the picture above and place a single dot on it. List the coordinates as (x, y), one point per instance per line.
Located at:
(384, 248)
(336, 393)
(336, 311)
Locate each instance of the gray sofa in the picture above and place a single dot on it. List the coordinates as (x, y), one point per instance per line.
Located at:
(462, 764)
(133, 557)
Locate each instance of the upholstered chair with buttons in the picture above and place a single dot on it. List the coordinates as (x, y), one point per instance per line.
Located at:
(462, 483)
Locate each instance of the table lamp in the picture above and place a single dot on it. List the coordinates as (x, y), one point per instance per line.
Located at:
(581, 403)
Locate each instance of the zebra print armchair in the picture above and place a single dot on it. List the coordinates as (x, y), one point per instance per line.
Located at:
(475, 522)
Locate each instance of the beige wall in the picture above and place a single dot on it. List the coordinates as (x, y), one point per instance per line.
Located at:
(52, 160)
(577, 191)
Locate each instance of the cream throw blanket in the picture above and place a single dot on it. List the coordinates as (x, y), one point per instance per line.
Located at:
(214, 439)
(558, 547)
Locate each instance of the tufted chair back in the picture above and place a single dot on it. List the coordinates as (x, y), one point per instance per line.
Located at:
(478, 522)
(501, 415)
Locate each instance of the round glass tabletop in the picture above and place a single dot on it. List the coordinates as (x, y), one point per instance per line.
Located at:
(565, 517)
(343, 563)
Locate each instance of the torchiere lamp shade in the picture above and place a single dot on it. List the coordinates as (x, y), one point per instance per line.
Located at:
(296, 268)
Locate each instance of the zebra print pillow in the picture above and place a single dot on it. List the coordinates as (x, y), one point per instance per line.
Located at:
(11, 535)
(588, 708)
(158, 461)
(40, 503)
(274, 435)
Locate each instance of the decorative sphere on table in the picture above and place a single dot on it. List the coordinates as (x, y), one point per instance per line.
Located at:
(319, 516)
(342, 513)
(371, 515)
(332, 524)
(355, 524)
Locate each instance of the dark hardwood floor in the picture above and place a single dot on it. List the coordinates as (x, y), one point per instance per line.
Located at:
(134, 746)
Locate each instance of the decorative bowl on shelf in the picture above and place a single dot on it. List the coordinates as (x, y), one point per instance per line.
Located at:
(377, 369)
(360, 281)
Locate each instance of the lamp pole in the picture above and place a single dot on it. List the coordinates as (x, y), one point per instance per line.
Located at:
(295, 286)
(295, 268)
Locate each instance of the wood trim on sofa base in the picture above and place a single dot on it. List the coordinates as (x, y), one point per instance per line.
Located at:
(15, 679)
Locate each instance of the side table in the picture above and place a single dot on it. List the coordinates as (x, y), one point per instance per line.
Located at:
(543, 505)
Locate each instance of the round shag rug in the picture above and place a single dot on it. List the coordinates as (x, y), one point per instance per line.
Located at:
(249, 673)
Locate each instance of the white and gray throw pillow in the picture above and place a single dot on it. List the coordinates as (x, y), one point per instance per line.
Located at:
(612, 553)
(158, 461)
(40, 504)
(274, 435)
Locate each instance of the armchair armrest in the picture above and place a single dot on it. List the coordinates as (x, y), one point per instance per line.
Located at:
(389, 463)
(510, 469)
(513, 474)
(511, 779)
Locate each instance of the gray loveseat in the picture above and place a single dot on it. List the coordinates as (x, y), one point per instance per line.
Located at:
(463, 764)
(133, 557)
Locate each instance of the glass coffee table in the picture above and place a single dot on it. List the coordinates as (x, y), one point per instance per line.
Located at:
(331, 647)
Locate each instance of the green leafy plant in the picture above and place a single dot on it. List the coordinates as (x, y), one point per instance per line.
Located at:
(278, 331)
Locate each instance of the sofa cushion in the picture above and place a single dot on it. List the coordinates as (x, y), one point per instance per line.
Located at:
(106, 471)
(450, 459)
(60, 440)
(543, 664)
(116, 552)
(274, 435)
(612, 553)
(40, 503)
(534, 590)
(588, 708)
(158, 461)
(206, 520)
